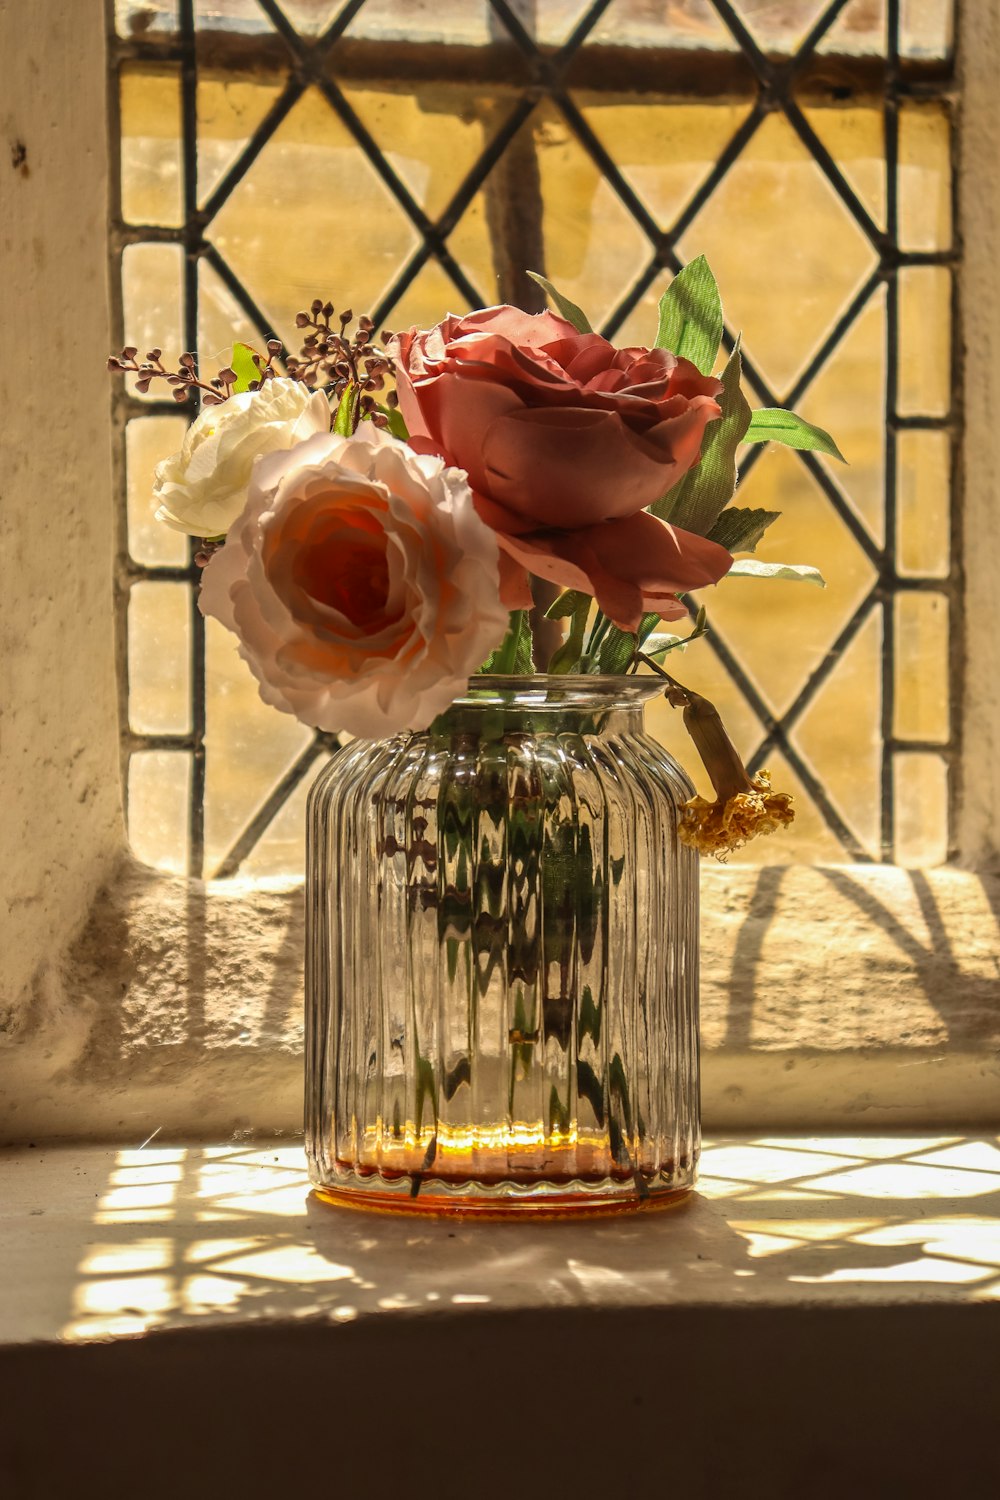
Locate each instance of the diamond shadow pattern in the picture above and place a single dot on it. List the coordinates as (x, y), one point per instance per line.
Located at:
(319, 142)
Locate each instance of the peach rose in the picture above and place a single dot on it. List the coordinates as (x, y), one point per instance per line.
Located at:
(566, 440)
(362, 585)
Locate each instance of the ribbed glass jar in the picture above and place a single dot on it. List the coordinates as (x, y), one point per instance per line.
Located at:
(502, 959)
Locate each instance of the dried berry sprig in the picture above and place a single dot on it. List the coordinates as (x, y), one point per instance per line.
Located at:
(331, 357)
(185, 378)
(744, 805)
(209, 546)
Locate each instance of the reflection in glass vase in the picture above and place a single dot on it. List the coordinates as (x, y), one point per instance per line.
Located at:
(502, 959)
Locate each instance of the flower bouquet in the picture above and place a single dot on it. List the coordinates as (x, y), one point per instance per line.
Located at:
(460, 548)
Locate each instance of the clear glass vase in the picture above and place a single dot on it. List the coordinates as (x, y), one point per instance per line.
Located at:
(502, 959)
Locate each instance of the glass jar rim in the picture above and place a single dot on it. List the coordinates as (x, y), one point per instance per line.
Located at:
(561, 689)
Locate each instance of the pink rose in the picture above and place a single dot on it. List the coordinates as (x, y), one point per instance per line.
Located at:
(362, 585)
(566, 440)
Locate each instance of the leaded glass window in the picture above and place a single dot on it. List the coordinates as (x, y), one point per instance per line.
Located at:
(412, 157)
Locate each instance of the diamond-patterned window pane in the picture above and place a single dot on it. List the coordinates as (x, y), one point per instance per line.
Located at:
(412, 157)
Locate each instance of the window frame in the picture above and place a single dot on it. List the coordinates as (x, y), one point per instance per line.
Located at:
(778, 82)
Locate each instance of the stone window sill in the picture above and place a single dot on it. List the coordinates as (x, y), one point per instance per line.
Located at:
(832, 997)
(823, 1302)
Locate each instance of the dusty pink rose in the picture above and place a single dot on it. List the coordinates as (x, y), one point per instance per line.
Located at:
(566, 440)
(362, 585)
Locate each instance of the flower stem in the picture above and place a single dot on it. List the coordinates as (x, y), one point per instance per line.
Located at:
(703, 723)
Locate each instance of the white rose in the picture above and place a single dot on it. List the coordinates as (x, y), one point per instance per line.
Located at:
(202, 489)
(362, 585)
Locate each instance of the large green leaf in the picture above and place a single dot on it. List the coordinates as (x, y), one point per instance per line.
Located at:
(691, 316)
(739, 529)
(698, 499)
(771, 424)
(752, 567)
(564, 306)
(512, 658)
(569, 602)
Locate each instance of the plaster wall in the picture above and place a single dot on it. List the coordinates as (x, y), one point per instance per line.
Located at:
(59, 784)
(979, 226)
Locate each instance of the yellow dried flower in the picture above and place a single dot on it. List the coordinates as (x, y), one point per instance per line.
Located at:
(720, 827)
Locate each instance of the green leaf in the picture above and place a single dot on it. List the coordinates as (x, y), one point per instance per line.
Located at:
(564, 306)
(512, 658)
(395, 417)
(697, 500)
(346, 420)
(619, 646)
(660, 643)
(691, 316)
(771, 424)
(569, 602)
(575, 606)
(752, 567)
(245, 365)
(739, 529)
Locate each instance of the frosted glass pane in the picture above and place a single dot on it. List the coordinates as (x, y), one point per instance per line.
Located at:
(150, 145)
(458, 21)
(839, 733)
(694, 24)
(789, 217)
(923, 477)
(860, 29)
(312, 175)
(151, 294)
(782, 633)
(312, 216)
(229, 111)
(781, 25)
(159, 783)
(924, 177)
(855, 138)
(664, 150)
(248, 746)
(432, 138)
(311, 17)
(282, 847)
(848, 398)
(924, 341)
(921, 710)
(149, 440)
(593, 247)
(159, 658)
(926, 27)
(139, 17)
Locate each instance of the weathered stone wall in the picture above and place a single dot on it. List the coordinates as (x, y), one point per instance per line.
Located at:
(830, 997)
(60, 815)
(979, 357)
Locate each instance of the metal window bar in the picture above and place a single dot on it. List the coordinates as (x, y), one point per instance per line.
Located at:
(313, 62)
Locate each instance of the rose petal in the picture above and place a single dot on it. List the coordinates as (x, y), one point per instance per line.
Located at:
(631, 566)
(574, 467)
